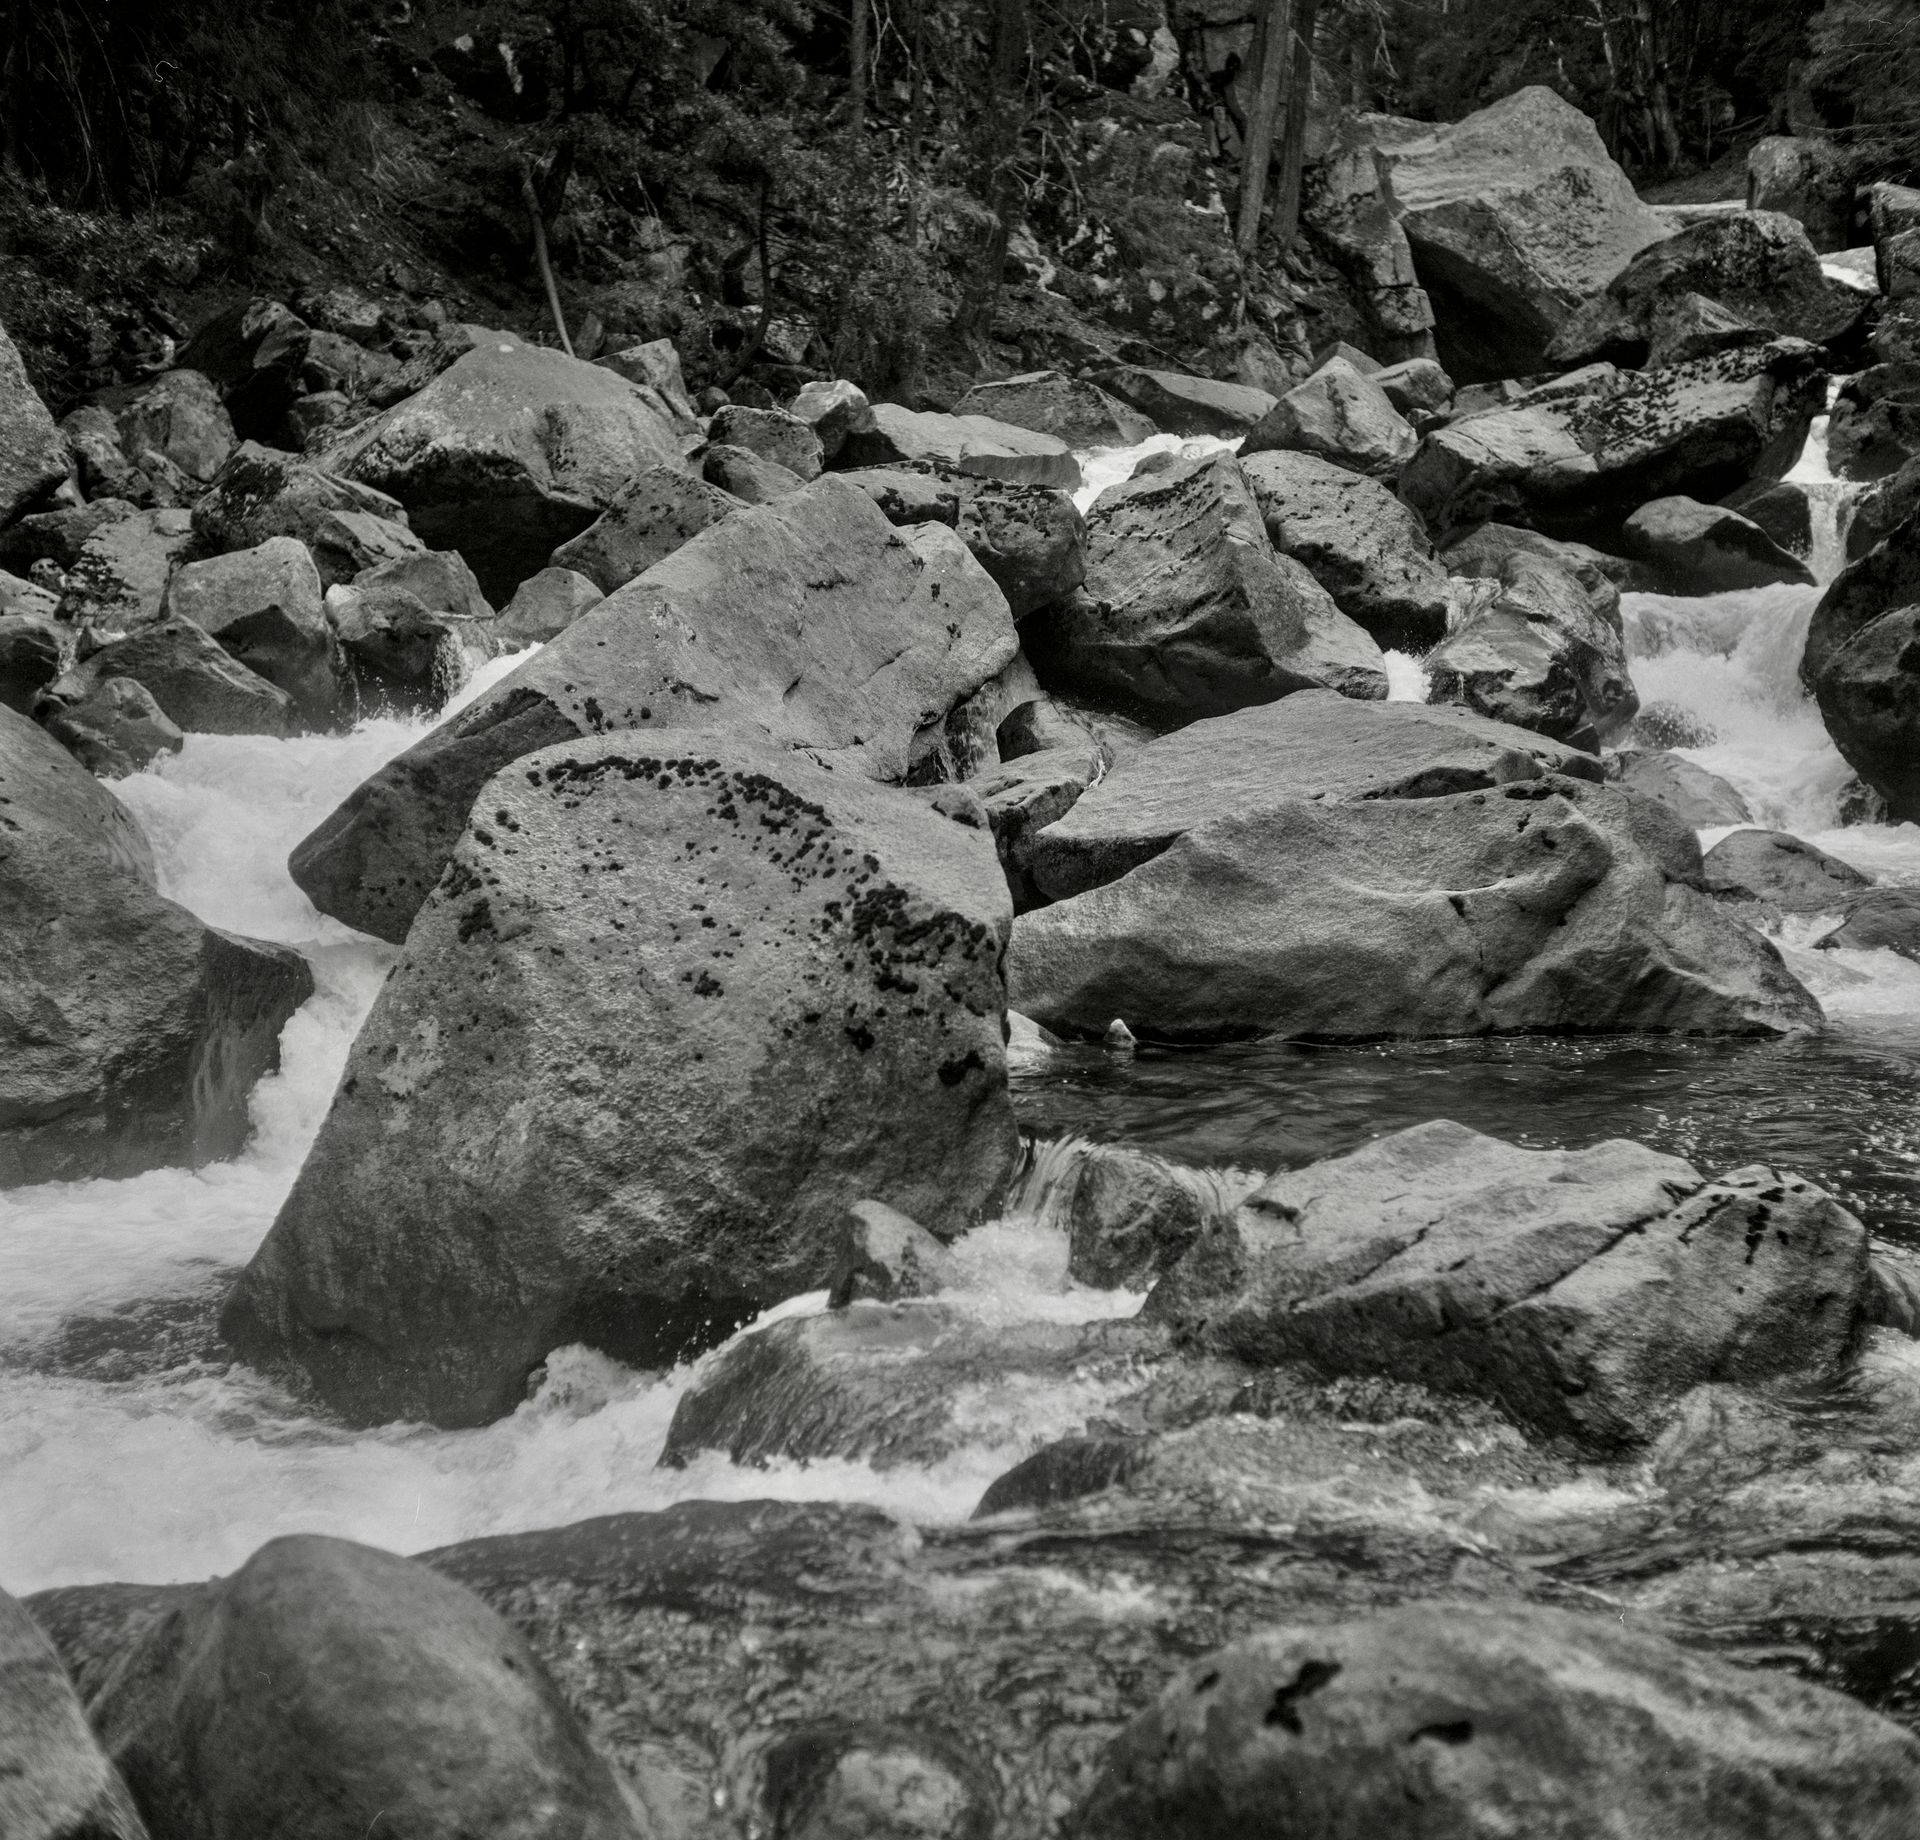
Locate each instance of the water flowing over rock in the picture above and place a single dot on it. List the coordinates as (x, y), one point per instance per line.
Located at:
(54, 1782)
(786, 987)
(130, 1034)
(811, 621)
(1582, 1291)
(508, 453)
(1188, 610)
(1544, 902)
(1477, 1723)
(33, 458)
(1515, 214)
(1367, 549)
(398, 1700)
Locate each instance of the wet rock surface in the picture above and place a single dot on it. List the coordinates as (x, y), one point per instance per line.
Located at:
(633, 889)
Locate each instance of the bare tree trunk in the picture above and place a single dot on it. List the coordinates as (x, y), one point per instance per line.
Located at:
(999, 143)
(1275, 79)
(914, 108)
(1293, 139)
(857, 57)
(532, 201)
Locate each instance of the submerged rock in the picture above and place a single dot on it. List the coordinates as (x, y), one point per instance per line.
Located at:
(1478, 1723)
(1582, 1291)
(677, 1003)
(130, 1033)
(855, 641)
(55, 1784)
(398, 1700)
(1188, 611)
(508, 453)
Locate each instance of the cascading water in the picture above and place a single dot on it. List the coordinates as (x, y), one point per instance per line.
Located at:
(132, 1448)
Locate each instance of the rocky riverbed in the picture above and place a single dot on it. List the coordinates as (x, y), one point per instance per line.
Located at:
(1146, 1109)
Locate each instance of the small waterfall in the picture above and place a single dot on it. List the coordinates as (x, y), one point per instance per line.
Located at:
(1830, 501)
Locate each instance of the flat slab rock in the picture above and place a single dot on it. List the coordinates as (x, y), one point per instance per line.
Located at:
(811, 622)
(677, 1003)
(974, 444)
(1583, 1291)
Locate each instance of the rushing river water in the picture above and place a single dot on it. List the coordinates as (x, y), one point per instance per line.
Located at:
(130, 1448)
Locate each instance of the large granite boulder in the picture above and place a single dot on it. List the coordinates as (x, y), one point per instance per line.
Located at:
(1313, 747)
(1515, 215)
(1583, 1291)
(1340, 414)
(787, 440)
(508, 453)
(975, 444)
(1781, 870)
(1879, 920)
(264, 605)
(743, 474)
(1758, 265)
(1479, 1723)
(1031, 540)
(1070, 409)
(652, 516)
(130, 1033)
(115, 729)
(1875, 428)
(1869, 696)
(1542, 903)
(1539, 653)
(1695, 796)
(1179, 404)
(1188, 610)
(199, 685)
(1882, 579)
(1707, 549)
(1808, 180)
(811, 621)
(1582, 461)
(34, 649)
(328, 1688)
(178, 415)
(262, 493)
(33, 457)
(1360, 543)
(1481, 552)
(545, 605)
(677, 1003)
(55, 1784)
(118, 582)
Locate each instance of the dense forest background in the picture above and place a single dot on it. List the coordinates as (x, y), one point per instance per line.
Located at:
(898, 190)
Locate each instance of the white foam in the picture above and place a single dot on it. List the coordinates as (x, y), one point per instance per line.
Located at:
(1110, 466)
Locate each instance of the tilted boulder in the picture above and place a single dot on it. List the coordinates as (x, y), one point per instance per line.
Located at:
(1758, 265)
(1808, 180)
(130, 1033)
(1030, 539)
(1072, 410)
(1417, 387)
(853, 640)
(115, 729)
(33, 457)
(1544, 903)
(800, 974)
(202, 688)
(1515, 214)
(742, 474)
(118, 582)
(55, 1784)
(1883, 580)
(508, 453)
(653, 514)
(974, 444)
(178, 415)
(1480, 553)
(833, 411)
(1188, 611)
(1180, 404)
(265, 607)
(1360, 543)
(656, 366)
(261, 493)
(1584, 1291)
(1478, 1721)
(1782, 870)
(545, 605)
(1708, 549)
(773, 434)
(1875, 427)
(1538, 654)
(1882, 919)
(399, 1700)
(1342, 415)
(1313, 747)
(1697, 797)
(1869, 696)
(34, 650)
(253, 353)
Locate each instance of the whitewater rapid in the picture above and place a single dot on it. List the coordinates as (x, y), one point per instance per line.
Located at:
(130, 1448)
